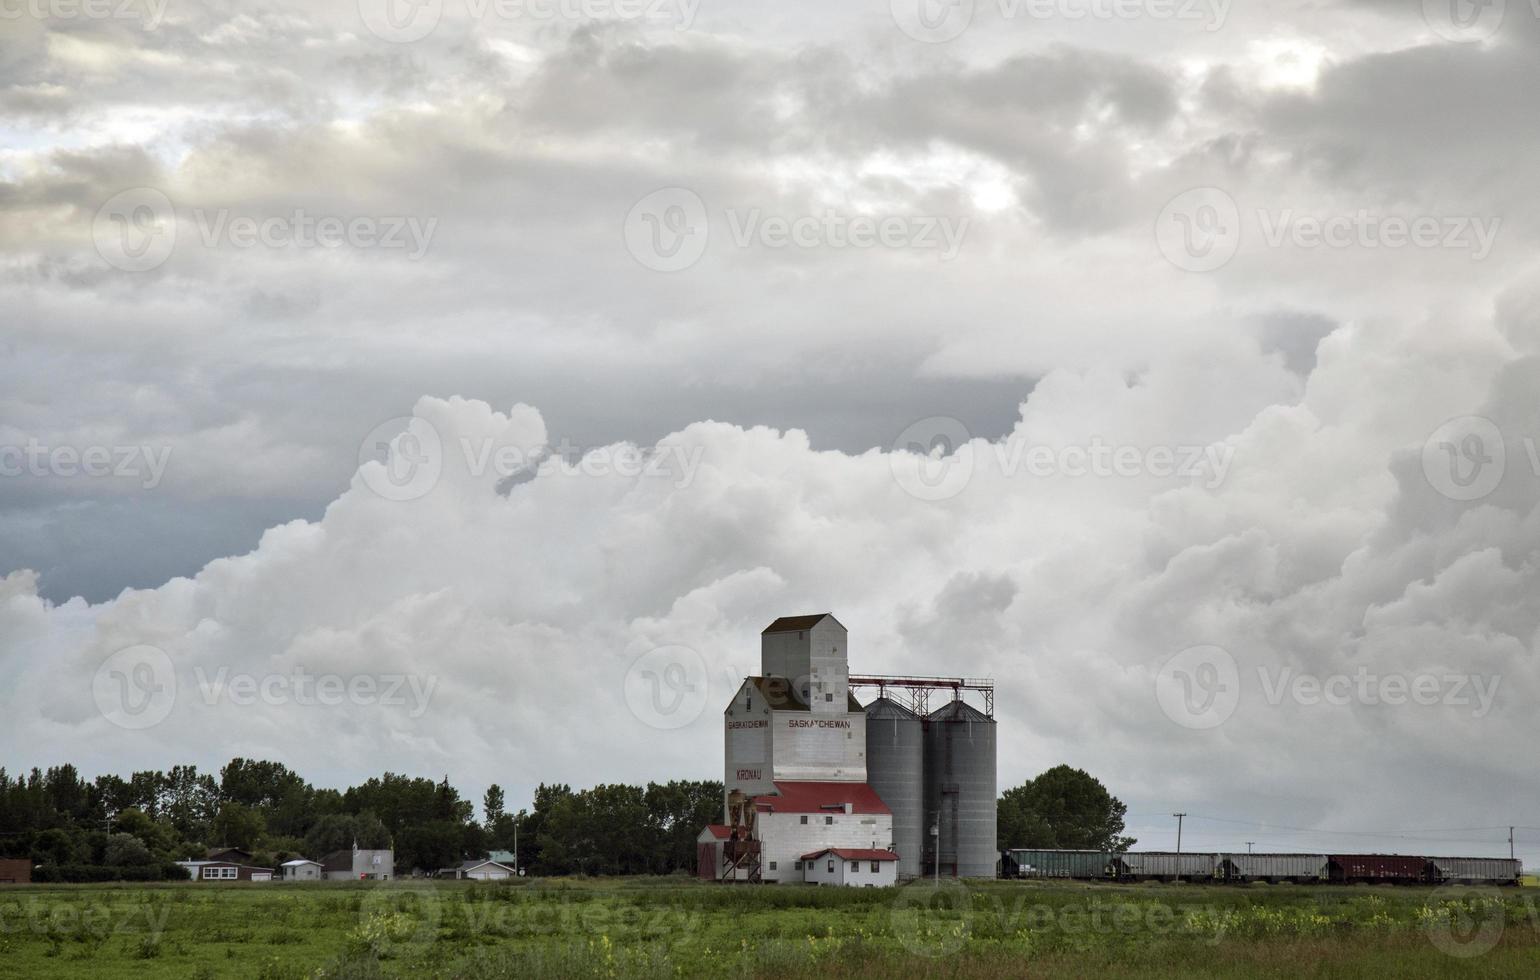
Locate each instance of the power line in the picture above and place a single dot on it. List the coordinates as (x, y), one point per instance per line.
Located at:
(1422, 830)
(1256, 823)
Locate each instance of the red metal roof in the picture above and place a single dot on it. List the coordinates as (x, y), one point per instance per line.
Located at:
(821, 797)
(853, 854)
(720, 831)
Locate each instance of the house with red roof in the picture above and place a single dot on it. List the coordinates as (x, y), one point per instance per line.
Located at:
(862, 867)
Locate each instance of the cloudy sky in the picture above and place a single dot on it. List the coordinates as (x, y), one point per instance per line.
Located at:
(507, 366)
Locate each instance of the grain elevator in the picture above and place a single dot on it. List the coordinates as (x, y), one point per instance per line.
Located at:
(818, 788)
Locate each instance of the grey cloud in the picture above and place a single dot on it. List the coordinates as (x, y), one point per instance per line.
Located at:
(1324, 547)
(1295, 335)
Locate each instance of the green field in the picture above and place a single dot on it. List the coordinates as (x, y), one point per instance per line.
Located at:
(679, 928)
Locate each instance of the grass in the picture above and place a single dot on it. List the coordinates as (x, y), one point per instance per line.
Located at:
(678, 928)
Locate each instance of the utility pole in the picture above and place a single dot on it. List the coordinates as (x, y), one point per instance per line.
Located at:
(1510, 843)
(1179, 817)
(1248, 846)
(935, 832)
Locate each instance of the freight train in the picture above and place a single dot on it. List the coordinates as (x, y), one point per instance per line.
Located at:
(1384, 869)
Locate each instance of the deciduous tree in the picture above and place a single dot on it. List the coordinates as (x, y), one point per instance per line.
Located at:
(1062, 808)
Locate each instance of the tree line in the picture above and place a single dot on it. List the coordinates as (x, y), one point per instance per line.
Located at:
(135, 827)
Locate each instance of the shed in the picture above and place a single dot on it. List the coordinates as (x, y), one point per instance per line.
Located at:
(708, 851)
(15, 871)
(302, 869)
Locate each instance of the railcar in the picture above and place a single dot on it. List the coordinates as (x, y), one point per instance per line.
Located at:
(1472, 871)
(1275, 868)
(1165, 866)
(1378, 869)
(1079, 865)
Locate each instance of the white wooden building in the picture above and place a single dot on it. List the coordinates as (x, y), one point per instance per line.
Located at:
(853, 867)
(804, 816)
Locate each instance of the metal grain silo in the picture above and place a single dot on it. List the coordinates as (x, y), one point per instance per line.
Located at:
(960, 791)
(895, 769)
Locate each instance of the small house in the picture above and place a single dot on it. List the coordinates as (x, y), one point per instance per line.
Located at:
(302, 869)
(479, 870)
(225, 871)
(850, 866)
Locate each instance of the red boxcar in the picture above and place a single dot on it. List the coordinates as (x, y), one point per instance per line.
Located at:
(1383, 868)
